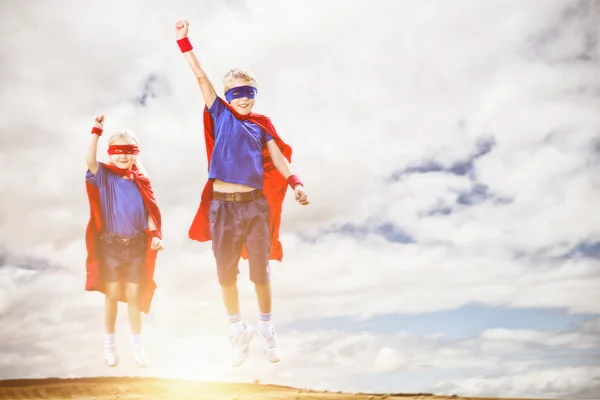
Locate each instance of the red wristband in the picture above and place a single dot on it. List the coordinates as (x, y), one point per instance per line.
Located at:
(184, 45)
(154, 233)
(293, 180)
(97, 131)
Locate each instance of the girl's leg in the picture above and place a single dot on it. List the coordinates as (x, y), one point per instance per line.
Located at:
(135, 319)
(111, 303)
(135, 316)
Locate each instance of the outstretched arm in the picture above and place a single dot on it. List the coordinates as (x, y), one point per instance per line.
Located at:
(206, 87)
(92, 163)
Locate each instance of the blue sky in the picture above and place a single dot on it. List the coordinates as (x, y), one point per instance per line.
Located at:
(450, 153)
(456, 323)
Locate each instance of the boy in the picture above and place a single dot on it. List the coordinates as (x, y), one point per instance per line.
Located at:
(240, 209)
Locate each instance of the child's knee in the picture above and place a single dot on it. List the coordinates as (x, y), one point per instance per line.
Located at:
(228, 280)
(132, 292)
(112, 292)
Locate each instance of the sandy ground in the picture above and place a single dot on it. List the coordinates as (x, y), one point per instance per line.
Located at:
(163, 389)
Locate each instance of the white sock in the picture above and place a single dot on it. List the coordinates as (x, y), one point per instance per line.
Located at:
(265, 326)
(136, 340)
(110, 339)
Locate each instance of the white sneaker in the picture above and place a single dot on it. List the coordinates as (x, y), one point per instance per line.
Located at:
(110, 352)
(270, 342)
(139, 354)
(240, 344)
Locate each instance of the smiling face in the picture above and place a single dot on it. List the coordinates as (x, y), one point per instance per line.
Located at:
(242, 104)
(123, 161)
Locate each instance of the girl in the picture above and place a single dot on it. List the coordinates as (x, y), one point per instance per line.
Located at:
(122, 236)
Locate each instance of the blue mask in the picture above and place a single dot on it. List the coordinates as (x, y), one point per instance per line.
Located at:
(241, 91)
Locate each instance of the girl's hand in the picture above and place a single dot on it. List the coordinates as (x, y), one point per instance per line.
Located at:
(156, 244)
(99, 121)
(181, 29)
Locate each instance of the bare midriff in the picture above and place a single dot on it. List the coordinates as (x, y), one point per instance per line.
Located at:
(226, 187)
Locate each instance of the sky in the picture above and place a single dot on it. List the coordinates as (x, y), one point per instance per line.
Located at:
(450, 151)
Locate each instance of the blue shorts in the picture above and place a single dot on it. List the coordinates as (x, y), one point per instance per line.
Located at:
(235, 222)
(122, 257)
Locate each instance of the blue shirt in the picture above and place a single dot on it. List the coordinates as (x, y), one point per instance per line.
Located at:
(123, 210)
(237, 154)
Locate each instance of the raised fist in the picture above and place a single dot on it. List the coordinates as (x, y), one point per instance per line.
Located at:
(181, 29)
(99, 121)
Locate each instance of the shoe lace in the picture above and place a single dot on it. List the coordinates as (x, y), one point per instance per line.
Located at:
(271, 338)
(235, 339)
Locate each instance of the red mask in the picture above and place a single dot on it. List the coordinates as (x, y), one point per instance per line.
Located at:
(123, 149)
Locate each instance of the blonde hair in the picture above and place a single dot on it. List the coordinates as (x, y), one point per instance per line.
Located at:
(123, 134)
(238, 73)
(131, 137)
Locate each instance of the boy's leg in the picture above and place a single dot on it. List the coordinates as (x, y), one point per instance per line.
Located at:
(227, 247)
(231, 300)
(263, 294)
(240, 333)
(258, 245)
(226, 222)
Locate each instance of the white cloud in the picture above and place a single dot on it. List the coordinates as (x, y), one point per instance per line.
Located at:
(387, 360)
(556, 382)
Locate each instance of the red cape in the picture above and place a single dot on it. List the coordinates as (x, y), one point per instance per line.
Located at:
(95, 280)
(275, 185)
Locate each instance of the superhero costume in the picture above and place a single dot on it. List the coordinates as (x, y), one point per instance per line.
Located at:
(94, 271)
(274, 187)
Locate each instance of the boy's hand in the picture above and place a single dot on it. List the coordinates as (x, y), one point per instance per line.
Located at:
(301, 196)
(181, 29)
(99, 121)
(156, 244)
